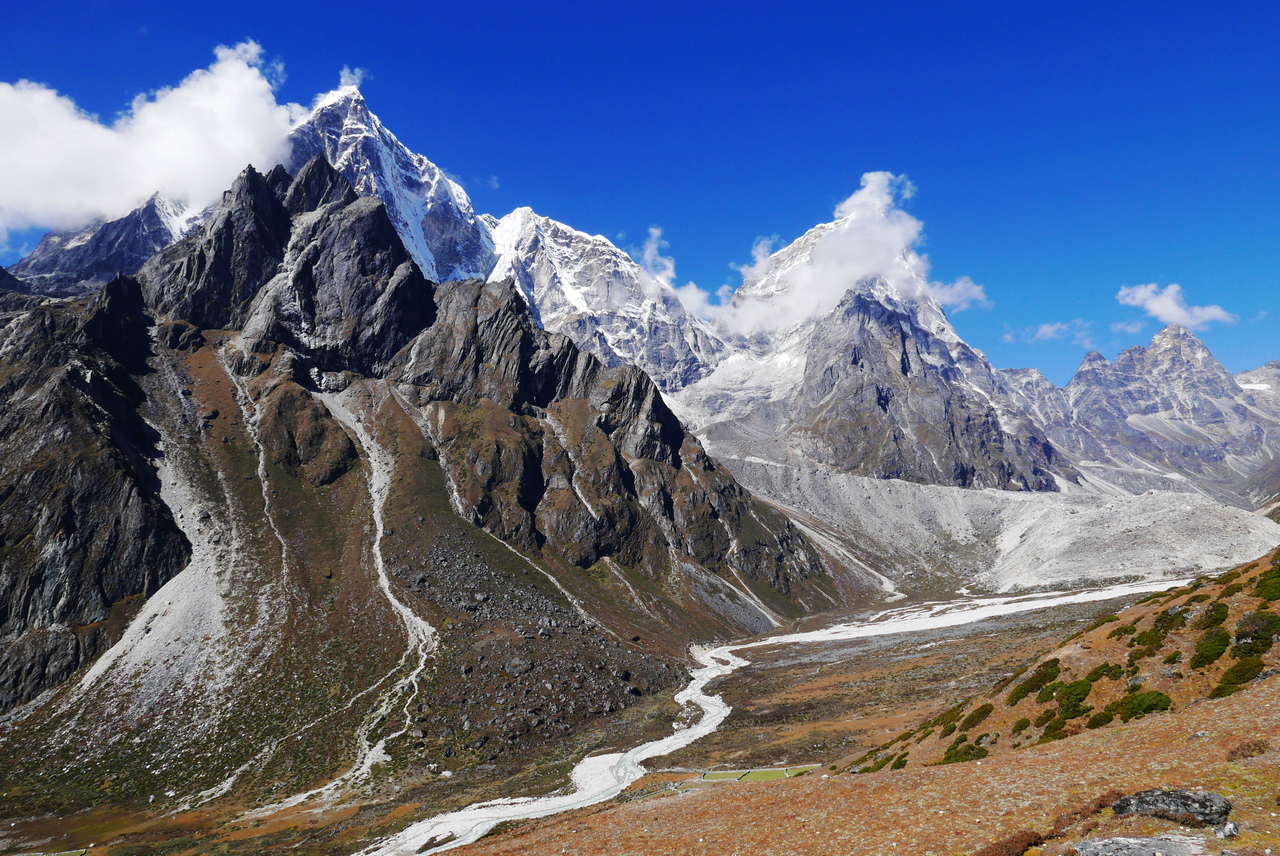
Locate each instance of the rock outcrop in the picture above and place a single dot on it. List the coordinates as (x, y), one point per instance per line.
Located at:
(1193, 808)
(82, 528)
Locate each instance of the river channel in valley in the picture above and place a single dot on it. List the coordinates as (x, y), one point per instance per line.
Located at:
(601, 777)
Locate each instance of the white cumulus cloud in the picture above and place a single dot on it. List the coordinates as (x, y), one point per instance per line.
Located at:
(871, 238)
(1168, 305)
(66, 167)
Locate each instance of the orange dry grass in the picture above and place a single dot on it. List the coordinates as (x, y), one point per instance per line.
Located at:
(953, 809)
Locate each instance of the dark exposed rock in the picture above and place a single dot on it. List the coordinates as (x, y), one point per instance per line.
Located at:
(1197, 808)
(10, 283)
(81, 524)
(210, 277)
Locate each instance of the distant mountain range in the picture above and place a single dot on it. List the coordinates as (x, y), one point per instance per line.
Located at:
(880, 386)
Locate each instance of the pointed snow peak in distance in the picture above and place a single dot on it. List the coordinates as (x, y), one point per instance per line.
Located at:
(432, 213)
(586, 288)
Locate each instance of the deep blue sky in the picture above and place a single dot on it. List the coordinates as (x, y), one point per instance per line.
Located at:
(1060, 151)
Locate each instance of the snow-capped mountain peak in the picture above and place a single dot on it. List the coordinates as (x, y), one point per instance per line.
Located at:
(586, 288)
(431, 212)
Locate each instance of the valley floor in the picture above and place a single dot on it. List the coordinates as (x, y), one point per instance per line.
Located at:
(956, 808)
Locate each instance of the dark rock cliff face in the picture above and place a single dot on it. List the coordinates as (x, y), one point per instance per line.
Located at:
(551, 449)
(883, 398)
(81, 525)
(80, 261)
(548, 447)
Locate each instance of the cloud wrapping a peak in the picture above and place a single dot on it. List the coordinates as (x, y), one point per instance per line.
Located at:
(872, 238)
(1169, 306)
(188, 142)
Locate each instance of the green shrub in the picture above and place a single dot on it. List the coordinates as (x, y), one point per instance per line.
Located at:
(1213, 616)
(951, 716)
(1070, 699)
(948, 729)
(1138, 705)
(1044, 674)
(879, 765)
(900, 762)
(1141, 654)
(1100, 719)
(1020, 726)
(1211, 645)
(1268, 585)
(977, 716)
(961, 751)
(1231, 590)
(1198, 598)
(1122, 630)
(1046, 716)
(1112, 671)
(1255, 634)
(924, 736)
(1229, 576)
(1173, 657)
(1106, 619)
(1046, 694)
(1053, 731)
(1234, 678)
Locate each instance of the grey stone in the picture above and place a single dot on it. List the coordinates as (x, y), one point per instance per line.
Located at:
(1192, 807)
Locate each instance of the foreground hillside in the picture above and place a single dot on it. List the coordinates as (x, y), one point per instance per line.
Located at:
(962, 780)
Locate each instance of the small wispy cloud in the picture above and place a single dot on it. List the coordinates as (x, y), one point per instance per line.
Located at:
(1077, 331)
(1134, 326)
(351, 77)
(1169, 306)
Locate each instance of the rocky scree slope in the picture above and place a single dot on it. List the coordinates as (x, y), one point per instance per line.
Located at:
(285, 420)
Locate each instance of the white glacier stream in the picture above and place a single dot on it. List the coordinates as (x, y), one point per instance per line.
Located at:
(600, 777)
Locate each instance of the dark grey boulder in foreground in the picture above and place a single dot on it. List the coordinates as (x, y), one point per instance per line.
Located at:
(1198, 807)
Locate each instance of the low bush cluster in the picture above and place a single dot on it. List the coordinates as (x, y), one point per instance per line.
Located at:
(1045, 674)
(1234, 679)
(1112, 671)
(976, 718)
(1211, 645)
(1213, 616)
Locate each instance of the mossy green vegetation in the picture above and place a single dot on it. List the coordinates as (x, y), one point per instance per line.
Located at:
(1045, 674)
(1234, 678)
(1071, 699)
(977, 716)
(1111, 671)
(1211, 645)
(1213, 616)
(1138, 704)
